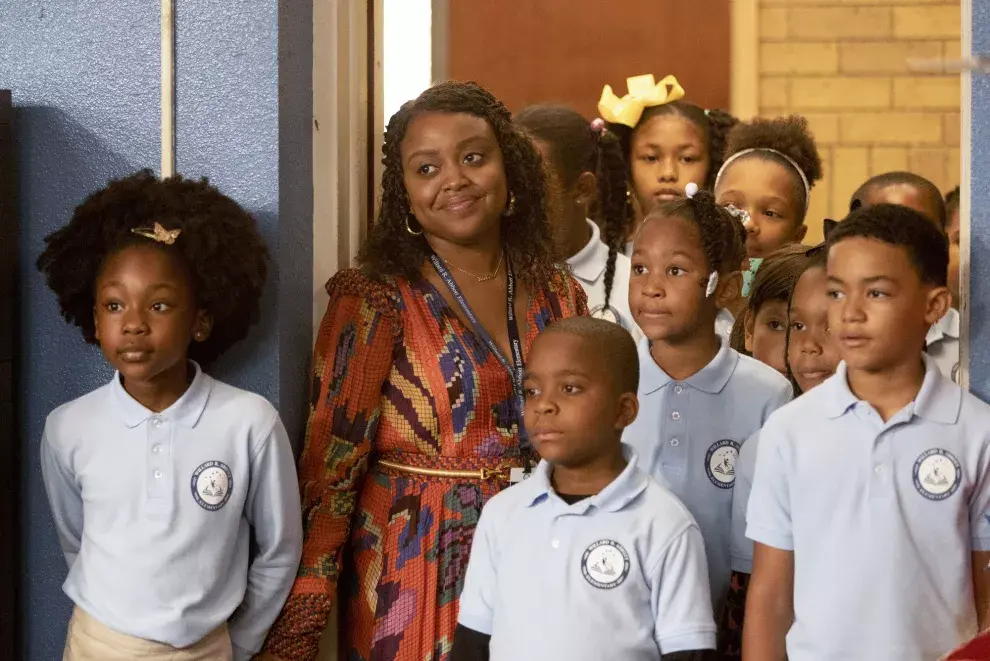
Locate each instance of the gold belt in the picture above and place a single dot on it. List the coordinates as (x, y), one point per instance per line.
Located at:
(500, 472)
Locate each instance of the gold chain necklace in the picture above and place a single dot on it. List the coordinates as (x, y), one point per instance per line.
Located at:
(480, 278)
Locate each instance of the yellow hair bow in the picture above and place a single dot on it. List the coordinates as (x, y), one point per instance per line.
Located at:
(644, 93)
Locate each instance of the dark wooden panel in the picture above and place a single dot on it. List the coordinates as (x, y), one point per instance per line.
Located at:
(528, 51)
(10, 463)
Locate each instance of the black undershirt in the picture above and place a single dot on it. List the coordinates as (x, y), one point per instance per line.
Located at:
(471, 645)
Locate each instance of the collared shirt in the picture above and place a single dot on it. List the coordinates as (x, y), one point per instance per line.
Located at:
(156, 512)
(689, 433)
(588, 267)
(881, 518)
(617, 575)
(740, 546)
(942, 344)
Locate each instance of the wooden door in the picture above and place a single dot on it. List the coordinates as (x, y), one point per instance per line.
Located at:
(529, 51)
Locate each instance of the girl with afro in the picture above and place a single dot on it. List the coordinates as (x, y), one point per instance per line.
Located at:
(174, 495)
(667, 142)
(416, 401)
(770, 168)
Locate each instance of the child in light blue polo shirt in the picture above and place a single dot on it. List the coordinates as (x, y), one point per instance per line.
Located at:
(810, 359)
(174, 495)
(870, 505)
(588, 559)
(700, 399)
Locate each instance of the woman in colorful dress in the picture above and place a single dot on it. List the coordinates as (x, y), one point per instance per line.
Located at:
(416, 396)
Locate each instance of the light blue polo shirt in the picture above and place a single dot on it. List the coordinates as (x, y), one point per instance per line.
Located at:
(740, 546)
(173, 523)
(689, 433)
(942, 344)
(881, 518)
(619, 575)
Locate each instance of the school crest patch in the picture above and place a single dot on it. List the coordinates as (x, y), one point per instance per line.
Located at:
(211, 485)
(605, 564)
(720, 463)
(607, 313)
(937, 474)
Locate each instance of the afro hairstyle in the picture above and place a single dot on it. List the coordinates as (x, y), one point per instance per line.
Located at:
(790, 136)
(219, 244)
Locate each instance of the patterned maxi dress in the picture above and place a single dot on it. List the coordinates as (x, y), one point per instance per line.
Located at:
(397, 376)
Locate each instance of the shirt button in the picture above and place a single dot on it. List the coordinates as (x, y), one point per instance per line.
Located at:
(156, 449)
(878, 470)
(674, 442)
(675, 415)
(156, 422)
(555, 543)
(158, 474)
(678, 389)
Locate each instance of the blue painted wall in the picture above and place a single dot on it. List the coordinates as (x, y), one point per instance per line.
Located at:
(979, 360)
(85, 78)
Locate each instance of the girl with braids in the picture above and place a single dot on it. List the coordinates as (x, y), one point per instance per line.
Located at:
(770, 168)
(174, 495)
(416, 401)
(585, 170)
(699, 399)
(667, 142)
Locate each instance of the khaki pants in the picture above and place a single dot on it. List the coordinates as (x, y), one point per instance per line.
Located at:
(90, 640)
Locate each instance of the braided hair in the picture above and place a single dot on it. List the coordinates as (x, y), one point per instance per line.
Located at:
(219, 245)
(576, 147)
(714, 125)
(721, 232)
(391, 251)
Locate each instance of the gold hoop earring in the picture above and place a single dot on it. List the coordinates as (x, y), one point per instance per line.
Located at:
(409, 227)
(511, 209)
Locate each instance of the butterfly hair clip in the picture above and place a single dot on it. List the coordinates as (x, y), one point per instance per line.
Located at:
(158, 233)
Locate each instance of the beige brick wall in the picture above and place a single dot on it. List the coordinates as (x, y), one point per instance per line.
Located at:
(844, 65)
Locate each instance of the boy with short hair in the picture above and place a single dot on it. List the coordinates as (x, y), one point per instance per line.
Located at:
(913, 191)
(590, 558)
(906, 189)
(870, 506)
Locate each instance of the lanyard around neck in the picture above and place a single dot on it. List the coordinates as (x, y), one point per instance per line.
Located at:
(515, 367)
